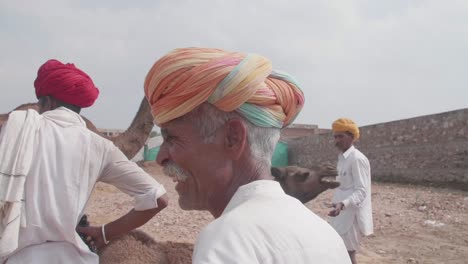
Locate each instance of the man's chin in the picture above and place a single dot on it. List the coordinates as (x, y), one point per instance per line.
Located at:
(184, 204)
(187, 205)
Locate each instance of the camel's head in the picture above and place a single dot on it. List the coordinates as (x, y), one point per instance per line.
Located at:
(303, 183)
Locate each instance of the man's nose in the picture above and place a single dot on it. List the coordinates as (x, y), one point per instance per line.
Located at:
(163, 155)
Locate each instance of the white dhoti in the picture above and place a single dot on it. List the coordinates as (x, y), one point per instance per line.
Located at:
(352, 238)
(347, 226)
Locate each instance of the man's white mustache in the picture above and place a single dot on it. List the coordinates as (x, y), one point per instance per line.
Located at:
(173, 170)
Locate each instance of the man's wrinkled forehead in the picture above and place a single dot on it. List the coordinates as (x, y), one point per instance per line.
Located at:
(178, 125)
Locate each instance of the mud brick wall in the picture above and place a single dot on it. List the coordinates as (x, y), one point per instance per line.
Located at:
(429, 149)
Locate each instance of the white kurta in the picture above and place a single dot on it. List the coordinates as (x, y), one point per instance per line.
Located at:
(354, 191)
(68, 161)
(261, 224)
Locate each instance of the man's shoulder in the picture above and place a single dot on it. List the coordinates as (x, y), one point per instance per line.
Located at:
(97, 137)
(358, 155)
(97, 141)
(254, 238)
(231, 225)
(225, 223)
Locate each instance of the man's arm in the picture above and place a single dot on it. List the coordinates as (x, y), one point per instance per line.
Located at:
(150, 197)
(133, 219)
(123, 225)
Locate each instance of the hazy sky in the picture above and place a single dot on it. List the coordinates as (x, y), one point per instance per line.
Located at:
(372, 61)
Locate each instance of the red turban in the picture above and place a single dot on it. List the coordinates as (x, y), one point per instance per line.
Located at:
(66, 83)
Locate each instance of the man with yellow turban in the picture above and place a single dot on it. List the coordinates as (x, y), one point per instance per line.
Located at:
(352, 212)
(49, 165)
(220, 115)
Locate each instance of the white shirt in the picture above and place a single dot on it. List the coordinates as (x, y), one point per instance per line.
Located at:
(354, 192)
(68, 161)
(261, 224)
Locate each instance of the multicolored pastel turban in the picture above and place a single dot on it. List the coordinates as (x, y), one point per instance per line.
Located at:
(346, 125)
(232, 81)
(66, 83)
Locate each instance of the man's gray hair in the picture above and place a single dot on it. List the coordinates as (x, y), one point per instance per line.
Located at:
(262, 140)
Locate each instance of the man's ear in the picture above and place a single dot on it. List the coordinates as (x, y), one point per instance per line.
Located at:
(235, 137)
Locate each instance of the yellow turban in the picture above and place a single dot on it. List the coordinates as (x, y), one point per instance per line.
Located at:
(232, 81)
(346, 125)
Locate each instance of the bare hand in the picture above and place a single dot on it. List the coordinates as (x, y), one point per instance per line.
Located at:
(93, 235)
(337, 209)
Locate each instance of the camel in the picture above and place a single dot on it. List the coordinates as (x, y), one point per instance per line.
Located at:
(129, 142)
(303, 183)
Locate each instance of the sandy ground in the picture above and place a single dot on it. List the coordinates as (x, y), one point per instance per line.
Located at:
(413, 224)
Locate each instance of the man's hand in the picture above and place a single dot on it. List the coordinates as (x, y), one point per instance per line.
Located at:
(337, 209)
(128, 222)
(93, 236)
(124, 224)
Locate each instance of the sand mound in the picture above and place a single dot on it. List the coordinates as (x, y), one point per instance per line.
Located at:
(138, 247)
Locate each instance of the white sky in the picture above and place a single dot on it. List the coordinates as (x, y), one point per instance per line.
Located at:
(372, 61)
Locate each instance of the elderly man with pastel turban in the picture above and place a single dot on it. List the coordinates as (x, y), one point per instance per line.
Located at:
(220, 115)
(49, 165)
(352, 212)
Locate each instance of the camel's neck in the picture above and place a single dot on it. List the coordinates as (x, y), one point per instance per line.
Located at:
(134, 138)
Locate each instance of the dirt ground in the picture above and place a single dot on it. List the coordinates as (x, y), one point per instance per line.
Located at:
(413, 224)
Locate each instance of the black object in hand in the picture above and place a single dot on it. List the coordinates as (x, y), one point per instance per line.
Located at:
(85, 223)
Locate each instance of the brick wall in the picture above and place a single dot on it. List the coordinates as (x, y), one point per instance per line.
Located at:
(430, 149)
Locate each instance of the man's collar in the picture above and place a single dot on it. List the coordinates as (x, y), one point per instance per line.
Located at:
(253, 189)
(64, 117)
(348, 152)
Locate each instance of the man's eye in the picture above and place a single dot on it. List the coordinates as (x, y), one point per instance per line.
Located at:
(168, 138)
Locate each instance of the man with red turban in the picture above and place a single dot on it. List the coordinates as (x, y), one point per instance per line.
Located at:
(220, 115)
(65, 83)
(49, 165)
(352, 212)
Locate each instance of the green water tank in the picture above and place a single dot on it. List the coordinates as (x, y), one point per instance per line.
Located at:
(150, 154)
(280, 156)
